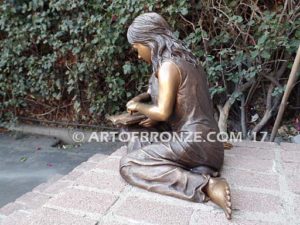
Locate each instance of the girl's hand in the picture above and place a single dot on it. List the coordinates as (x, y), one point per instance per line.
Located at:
(131, 106)
(148, 123)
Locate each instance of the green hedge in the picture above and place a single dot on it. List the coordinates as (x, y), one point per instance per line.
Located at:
(70, 60)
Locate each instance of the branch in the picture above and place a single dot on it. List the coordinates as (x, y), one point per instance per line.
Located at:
(273, 80)
(269, 97)
(283, 11)
(205, 44)
(290, 84)
(189, 22)
(243, 116)
(282, 69)
(246, 85)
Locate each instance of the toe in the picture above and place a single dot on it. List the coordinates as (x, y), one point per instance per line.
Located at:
(229, 204)
(228, 215)
(228, 197)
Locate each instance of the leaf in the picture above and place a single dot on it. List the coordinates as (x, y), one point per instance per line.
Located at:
(128, 94)
(265, 55)
(127, 68)
(184, 11)
(23, 159)
(95, 40)
(67, 146)
(262, 39)
(297, 34)
(77, 106)
(254, 54)
(70, 89)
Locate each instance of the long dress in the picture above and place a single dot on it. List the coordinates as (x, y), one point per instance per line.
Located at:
(180, 168)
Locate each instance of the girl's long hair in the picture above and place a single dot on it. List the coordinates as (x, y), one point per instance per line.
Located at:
(152, 30)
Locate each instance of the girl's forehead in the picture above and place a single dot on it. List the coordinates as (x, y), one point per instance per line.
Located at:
(136, 45)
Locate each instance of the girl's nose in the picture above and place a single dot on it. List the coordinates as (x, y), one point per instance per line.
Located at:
(139, 56)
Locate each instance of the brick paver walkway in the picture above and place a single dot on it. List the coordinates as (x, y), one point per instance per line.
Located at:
(264, 178)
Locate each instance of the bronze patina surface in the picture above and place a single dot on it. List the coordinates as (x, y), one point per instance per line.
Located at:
(179, 98)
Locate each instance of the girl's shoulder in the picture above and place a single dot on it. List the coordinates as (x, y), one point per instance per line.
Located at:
(171, 65)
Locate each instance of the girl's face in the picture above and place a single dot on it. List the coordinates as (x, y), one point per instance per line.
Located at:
(144, 52)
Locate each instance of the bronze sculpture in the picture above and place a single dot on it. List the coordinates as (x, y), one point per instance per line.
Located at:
(179, 97)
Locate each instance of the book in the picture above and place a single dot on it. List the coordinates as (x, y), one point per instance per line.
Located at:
(126, 118)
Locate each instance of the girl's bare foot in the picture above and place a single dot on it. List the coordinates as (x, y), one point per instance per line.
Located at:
(218, 191)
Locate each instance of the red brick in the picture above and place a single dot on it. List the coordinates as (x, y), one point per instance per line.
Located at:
(257, 144)
(101, 180)
(297, 205)
(255, 202)
(290, 156)
(249, 164)
(154, 212)
(291, 168)
(217, 217)
(290, 146)
(16, 218)
(73, 175)
(87, 201)
(112, 222)
(97, 158)
(240, 178)
(43, 186)
(46, 216)
(112, 164)
(11, 207)
(52, 188)
(257, 153)
(57, 187)
(85, 166)
(294, 183)
(33, 200)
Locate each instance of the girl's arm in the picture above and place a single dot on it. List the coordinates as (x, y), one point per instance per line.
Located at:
(169, 79)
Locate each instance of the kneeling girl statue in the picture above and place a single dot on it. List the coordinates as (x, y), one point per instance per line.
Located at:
(184, 169)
